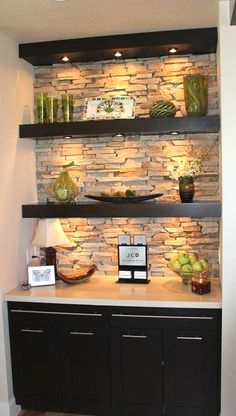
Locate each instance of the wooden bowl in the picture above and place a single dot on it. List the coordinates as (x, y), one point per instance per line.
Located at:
(73, 276)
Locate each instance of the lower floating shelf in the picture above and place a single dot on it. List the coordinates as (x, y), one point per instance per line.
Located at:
(141, 209)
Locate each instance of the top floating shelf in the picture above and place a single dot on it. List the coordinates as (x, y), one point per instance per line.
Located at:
(136, 45)
(158, 126)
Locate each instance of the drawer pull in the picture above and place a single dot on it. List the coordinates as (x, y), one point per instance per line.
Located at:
(32, 330)
(81, 333)
(121, 315)
(134, 336)
(58, 313)
(191, 338)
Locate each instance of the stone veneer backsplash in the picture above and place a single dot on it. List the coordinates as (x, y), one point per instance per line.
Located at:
(138, 162)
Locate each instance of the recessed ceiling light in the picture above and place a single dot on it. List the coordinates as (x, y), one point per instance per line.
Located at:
(118, 54)
(65, 59)
(172, 50)
(60, 1)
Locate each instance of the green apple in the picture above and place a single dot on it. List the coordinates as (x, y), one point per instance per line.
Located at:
(192, 258)
(183, 258)
(172, 262)
(176, 266)
(204, 264)
(174, 256)
(183, 252)
(187, 268)
(197, 267)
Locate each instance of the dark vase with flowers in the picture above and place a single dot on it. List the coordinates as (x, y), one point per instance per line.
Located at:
(186, 188)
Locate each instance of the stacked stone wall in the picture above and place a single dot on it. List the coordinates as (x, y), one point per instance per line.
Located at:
(140, 162)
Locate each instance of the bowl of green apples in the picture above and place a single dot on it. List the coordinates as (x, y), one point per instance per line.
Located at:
(188, 265)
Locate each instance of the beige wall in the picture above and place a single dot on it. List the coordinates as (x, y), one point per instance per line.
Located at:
(17, 186)
(227, 37)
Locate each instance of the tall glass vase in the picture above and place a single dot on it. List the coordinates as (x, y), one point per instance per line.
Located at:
(186, 188)
(196, 94)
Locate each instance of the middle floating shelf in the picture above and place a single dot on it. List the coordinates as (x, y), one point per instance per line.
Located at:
(205, 124)
(141, 209)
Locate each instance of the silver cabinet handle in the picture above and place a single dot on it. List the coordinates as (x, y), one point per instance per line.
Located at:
(95, 314)
(190, 338)
(121, 315)
(81, 333)
(134, 336)
(32, 330)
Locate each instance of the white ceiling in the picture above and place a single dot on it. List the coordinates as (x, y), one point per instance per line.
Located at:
(40, 20)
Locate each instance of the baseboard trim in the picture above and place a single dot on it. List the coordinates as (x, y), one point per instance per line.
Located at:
(9, 408)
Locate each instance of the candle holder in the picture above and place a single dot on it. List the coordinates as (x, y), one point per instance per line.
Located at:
(52, 109)
(41, 112)
(67, 107)
(201, 285)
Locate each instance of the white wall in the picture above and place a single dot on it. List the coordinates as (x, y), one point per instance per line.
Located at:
(227, 39)
(17, 186)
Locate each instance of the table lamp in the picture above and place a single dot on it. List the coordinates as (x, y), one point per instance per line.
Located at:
(49, 234)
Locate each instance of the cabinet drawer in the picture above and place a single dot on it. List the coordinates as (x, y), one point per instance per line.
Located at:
(81, 315)
(164, 318)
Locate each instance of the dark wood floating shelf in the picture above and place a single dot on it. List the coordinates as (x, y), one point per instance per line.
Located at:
(141, 209)
(207, 124)
(135, 45)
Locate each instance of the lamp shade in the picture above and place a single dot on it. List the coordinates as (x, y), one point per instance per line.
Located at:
(49, 233)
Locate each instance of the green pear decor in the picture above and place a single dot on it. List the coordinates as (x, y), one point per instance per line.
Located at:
(196, 94)
(162, 108)
(64, 188)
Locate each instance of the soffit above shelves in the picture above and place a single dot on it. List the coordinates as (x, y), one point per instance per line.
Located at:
(138, 45)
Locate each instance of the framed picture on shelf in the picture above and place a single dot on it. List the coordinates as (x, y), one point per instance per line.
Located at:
(102, 108)
(41, 275)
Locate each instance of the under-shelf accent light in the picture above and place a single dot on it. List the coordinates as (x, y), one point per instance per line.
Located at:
(172, 50)
(67, 137)
(174, 133)
(65, 58)
(118, 54)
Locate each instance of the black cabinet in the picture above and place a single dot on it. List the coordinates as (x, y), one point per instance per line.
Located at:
(136, 364)
(118, 361)
(85, 369)
(191, 373)
(34, 364)
(165, 361)
(60, 357)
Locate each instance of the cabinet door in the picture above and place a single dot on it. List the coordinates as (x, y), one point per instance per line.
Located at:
(190, 373)
(136, 364)
(85, 379)
(34, 363)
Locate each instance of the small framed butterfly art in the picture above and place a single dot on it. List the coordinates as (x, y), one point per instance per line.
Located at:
(41, 275)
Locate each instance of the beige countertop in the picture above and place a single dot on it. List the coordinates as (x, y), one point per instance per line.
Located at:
(162, 292)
